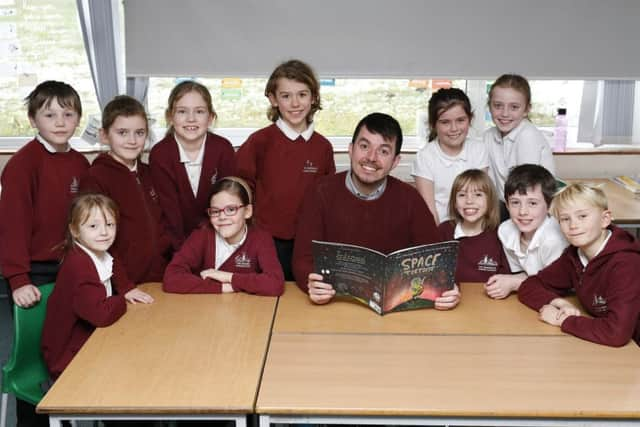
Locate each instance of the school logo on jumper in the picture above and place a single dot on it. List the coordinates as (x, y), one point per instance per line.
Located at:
(599, 303)
(309, 167)
(487, 264)
(153, 194)
(74, 186)
(243, 261)
(214, 177)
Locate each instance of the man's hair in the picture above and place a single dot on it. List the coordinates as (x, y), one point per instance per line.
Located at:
(579, 192)
(383, 125)
(523, 177)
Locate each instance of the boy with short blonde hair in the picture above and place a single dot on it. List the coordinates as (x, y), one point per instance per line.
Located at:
(602, 264)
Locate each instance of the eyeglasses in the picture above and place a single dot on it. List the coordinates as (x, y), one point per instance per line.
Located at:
(229, 210)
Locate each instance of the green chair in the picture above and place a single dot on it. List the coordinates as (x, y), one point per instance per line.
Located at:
(25, 371)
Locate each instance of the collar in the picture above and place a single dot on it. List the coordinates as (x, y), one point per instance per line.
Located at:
(231, 247)
(449, 160)
(583, 257)
(511, 136)
(134, 168)
(511, 235)
(104, 264)
(353, 189)
(184, 158)
(292, 134)
(50, 148)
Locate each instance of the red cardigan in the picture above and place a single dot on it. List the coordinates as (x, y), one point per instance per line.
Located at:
(608, 289)
(78, 305)
(398, 219)
(37, 189)
(142, 243)
(281, 171)
(184, 211)
(254, 265)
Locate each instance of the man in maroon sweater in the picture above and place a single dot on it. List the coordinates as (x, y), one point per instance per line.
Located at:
(364, 206)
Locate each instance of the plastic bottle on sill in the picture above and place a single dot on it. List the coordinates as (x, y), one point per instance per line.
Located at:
(560, 131)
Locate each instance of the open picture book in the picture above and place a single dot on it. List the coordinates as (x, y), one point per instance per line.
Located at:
(403, 280)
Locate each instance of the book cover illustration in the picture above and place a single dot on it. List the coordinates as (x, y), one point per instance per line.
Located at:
(406, 279)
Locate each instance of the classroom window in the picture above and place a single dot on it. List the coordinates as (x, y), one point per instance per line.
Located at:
(40, 40)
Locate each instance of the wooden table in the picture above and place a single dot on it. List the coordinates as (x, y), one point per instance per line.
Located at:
(485, 363)
(440, 379)
(624, 206)
(476, 314)
(184, 356)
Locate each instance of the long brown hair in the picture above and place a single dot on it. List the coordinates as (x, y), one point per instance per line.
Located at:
(478, 179)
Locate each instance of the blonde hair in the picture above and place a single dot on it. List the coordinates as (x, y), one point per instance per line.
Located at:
(578, 192)
(479, 180)
(79, 212)
(180, 90)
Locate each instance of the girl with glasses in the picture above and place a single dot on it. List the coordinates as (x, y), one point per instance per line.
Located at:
(228, 254)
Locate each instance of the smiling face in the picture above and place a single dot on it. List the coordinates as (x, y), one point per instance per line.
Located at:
(293, 100)
(231, 224)
(56, 124)
(471, 204)
(191, 118)
(528, 211)
(508, 108)
(452, 127)
(584, 225)
(126, 137)
(98, 232)
(372, 158)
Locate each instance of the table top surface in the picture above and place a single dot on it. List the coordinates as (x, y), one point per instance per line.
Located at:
(435, 375)
(624, 206)
(181, 354)
(476, 314)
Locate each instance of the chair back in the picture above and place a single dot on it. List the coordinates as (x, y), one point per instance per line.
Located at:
(25, 371)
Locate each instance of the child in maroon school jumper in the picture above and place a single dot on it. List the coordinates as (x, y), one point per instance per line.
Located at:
(473, 207)
(38, 184)
(92, 288)
(227, 255)
(601, 265)
(189, 160)
(283, 160)
(143, 245)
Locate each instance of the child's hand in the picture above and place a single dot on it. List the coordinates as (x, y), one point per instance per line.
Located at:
(135, 295)
(220, 276)
(551, 315)
(227, 288)
(501, 285)
(565, 307)
(319, 292)
(26, 296)
(448, 300)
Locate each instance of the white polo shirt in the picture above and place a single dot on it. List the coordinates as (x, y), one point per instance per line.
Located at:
(546, 246)
(192, 167)
(524, 144)
(433, 164)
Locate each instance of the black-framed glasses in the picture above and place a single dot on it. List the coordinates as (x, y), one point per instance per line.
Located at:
(229, 210)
